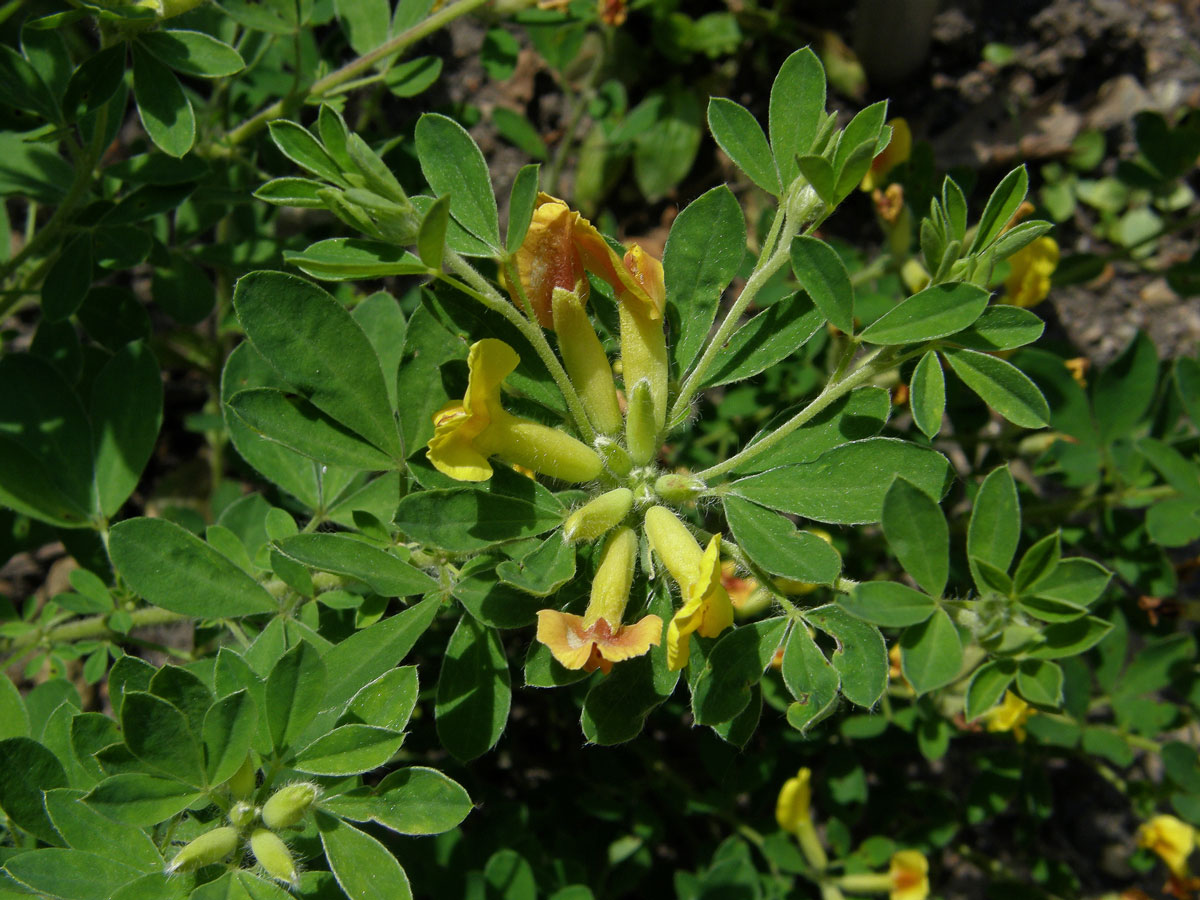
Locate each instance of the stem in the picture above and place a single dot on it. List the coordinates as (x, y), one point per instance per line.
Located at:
(481, 290)
(91, 627)
(259, 120)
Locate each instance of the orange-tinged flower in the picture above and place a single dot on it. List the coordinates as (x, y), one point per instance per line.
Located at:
(909, 872)
(1029, 281)
(468, 431)
(1011, 715)
(613, 12)
(597, 639)
(1172, 839)
(548, 258)
(897, 151)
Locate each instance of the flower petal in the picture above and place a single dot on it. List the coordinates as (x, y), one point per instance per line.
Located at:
(566, 637)
(629, 641)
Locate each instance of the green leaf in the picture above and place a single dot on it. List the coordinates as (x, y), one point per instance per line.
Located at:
(14, 720)
(229, 727)
(864, 128)
(126, 414)
(888, 603)
(465, 519)
(413, 76)
(1176, 470)
(857, 163)
(292, 191)
(1040, 682)
(767, 339)
(26, 769)
(316, 345)
(175, 570)
(1002, 386)
(70, 874)
(818, 171)
(83, 828)
(298, 145)
(917, 534)
(1075, 580)
(734, 665)
(797, 108)
(991, 578)
(349, 750)
(164, 108)
(1187, 385)
(474, 691)
(927, 395)
(354, 259)
(239, 884)
(365, 22)
(860, 414)
(364, 868)
(1002, 327)
(520, 132)
(431, 238)
(295, 689)
(521, 202)
(542, 571)
(861, 656)
(702, 255)
(494, 603)
(454, 165)
(387, 702)
(664, 153)
(1038, 562)
(142, 800)
(298, 425)
(847, 485)
(68, 280)
(772, 542)
(543, 670)
(931, 653)
(811, 680)
(935, 312)
(1066, 639)
(160, 736)
(414, 800)
(988, 685)
(823, 276)
(1000, 208)
(737, 132)
(386, 575)
(22, 87)
(995, 528)
(1123, 391)
(193, 53)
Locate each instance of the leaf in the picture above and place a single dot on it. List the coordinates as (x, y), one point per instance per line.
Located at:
(765, 340)
(931, 653)
(70, 874)
(431, 237)
(1123, 391)
(464, 519)
(810, 679)
(316, 345)
(1175, 469)
(160, 736)
(295, 689)
(126, 415)
(861, 656)
(995, 527)
(935, 312)
(82, 828)
(1075, 580)
(737, 132)
(142, 800)
(521, 202)
(193, 53)
(1001, 327)
(734, 665)
(702, 255)
(1001, 206)
(542, 571)
(864, 128)
(493, 603)
(772, 542)
(846, 485)
(68, 280)
(365, 22)
(26, 769)
(988, 685)
(822, 274)
(292, 191)
(664, 153)
(165, 110)
(229, 727)
(1067, 639)
(363, 867)
(14, 720)
(819, 173)
(386, 575)
(1187, 385)
(797, 108)
(509, 876)
(386, 702)
(1002, 386)
(1040, 682)
(1038, 562)
(414, 800)
(454, 165)
(917, 534)
(175, 570)
(298, 145)
(888, 603)
(349, 750)
(413, 76)
(353, 259)
(515, 128)
(474, 692)
(927, 395)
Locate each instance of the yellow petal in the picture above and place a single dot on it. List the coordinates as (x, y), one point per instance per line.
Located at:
(549, 259)
(678, 646)
(1032, 266)
(1172, 839)
(452, 449)
(909, 871)
(629, 641)
(647, 271)
(490, 361)
(566, 637)
(794, 804)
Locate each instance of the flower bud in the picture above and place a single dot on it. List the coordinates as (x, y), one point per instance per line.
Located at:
(614, 578)
(678, 488)
(616, 458)
(599, 516)
(209, 848)
(641, 427)
(674, 544)
(242, 814)
(288, 805)
(586, 362)
(273, 855)
(242, 782)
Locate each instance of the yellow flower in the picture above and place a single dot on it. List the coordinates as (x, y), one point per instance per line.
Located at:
(909, 872)
(1029, 281)
(1172, 839)
(548, 258)
(597, 639)
(1011, 715)
(706, 608)
(468, 431)
(897, 151)
(794, 806)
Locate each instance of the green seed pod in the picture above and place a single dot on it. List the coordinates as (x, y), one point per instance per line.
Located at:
(273, 855)
(242, 782)
(210, 847)
(288, 805)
